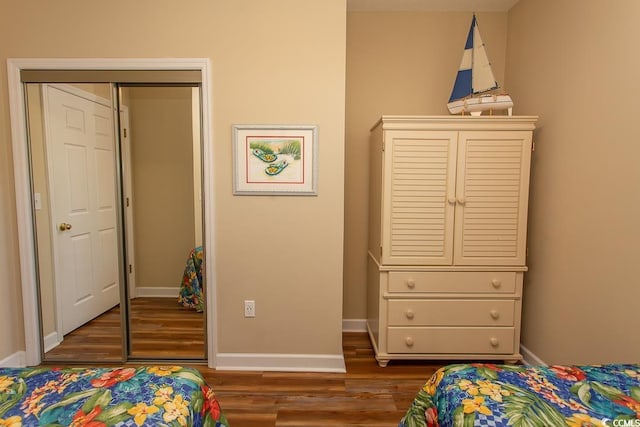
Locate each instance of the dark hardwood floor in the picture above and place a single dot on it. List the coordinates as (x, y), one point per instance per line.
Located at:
(366, 395)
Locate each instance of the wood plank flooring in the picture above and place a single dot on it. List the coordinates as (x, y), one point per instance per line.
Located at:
(99, 340)
(156, 325)
(366, 395)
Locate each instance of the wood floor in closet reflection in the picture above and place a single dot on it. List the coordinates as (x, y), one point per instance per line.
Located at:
(157, 326)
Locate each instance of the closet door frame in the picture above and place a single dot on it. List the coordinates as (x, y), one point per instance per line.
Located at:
(25, 223)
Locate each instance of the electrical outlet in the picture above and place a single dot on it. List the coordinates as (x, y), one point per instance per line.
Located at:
(249, 308)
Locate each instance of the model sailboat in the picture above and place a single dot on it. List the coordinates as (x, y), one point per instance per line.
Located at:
(475, 77)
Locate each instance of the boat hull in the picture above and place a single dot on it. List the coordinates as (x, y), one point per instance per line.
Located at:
(475, 106)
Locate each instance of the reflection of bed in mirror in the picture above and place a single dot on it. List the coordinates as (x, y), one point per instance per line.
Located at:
(191, 287)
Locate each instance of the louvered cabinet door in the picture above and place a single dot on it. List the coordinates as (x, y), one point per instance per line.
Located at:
(418, 197)
(491, 197)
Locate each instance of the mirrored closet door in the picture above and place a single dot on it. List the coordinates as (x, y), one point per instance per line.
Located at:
(116, 190)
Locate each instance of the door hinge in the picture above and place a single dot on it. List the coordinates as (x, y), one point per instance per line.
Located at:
(533, 146)
(130, 269)
(127, 201)
(381, 251)
(125, 132)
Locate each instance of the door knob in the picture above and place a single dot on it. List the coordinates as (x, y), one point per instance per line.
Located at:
(64, 226)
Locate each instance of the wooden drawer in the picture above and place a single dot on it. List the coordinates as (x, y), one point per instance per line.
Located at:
(451, 312)
(453, 281)
(450, 340)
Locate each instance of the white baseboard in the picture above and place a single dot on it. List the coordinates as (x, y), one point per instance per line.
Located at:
(530, 358)
(354, 325)
(280, 362)
(51, 341)
(157, 292)
(16, 360)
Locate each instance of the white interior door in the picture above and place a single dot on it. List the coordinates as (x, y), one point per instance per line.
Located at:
(81, 161)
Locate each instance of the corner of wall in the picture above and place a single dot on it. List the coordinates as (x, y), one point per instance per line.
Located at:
(529, 358)
(15, 360)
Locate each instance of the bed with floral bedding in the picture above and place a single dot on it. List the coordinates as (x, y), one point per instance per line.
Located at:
(191, 287)
(512, 395)
(100, 397)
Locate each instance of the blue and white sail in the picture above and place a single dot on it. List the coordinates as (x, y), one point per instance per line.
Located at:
(475, 77)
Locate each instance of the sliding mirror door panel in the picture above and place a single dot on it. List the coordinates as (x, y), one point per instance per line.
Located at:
(73, 164)
(166, 316)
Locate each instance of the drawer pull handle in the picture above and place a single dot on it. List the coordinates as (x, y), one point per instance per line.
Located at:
(494, 314)
(409, 342)
(494, 342)
(496, 283)
(410, 314)
(411, 283)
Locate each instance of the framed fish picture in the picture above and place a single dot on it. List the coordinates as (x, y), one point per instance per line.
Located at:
(275, 159)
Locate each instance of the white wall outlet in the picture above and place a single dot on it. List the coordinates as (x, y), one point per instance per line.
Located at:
(249, 308)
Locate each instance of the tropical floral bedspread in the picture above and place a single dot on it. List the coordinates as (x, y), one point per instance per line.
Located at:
(508, 395)
(191, 287)
(99, 397)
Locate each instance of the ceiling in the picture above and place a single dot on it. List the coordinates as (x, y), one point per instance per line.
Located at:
(431, 5)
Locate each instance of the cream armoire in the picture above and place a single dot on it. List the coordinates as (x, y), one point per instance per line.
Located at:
(447, 236)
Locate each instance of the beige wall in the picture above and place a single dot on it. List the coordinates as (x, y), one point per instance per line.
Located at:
(276, 62)
(570, 62)
(398, 63)
(11, 315)
(573, 63)
(162, 176)
(11, 335)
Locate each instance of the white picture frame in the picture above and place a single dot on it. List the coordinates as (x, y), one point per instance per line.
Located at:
(275, 160)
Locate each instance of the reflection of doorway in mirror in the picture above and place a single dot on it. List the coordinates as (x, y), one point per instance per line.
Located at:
(153, 328)
(73, 174)
(81, 163)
